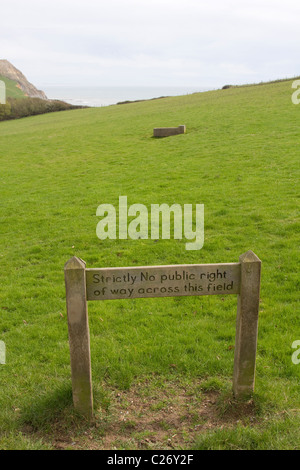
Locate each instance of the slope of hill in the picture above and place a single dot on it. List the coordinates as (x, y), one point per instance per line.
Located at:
(13, 89)
(162, 368)
(7, 70)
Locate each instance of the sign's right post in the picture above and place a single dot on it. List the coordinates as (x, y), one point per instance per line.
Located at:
(247, 326)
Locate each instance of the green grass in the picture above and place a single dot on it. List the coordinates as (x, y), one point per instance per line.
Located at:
(12, 89)
(240, 158)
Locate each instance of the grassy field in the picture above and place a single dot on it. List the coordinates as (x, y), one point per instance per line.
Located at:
(162, 368)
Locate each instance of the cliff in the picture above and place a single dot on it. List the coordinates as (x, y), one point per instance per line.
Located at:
(9, 71)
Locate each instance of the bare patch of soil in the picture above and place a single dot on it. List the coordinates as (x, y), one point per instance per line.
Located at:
(153, 415)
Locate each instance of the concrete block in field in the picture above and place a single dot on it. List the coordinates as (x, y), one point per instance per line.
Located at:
(167, 131)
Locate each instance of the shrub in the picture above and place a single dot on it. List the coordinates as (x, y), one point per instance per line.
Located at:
(17, 108)
(5, 111)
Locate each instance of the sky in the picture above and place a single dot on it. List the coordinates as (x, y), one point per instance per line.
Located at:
(151, 42)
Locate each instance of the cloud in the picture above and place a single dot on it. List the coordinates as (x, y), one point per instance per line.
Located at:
(145, 43)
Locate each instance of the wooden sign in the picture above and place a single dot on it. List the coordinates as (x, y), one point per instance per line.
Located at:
(82, 285)
(162, 281)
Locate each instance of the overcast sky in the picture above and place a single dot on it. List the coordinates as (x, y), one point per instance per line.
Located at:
(151, 42)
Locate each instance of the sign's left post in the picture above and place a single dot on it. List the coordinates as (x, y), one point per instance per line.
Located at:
(79, 336)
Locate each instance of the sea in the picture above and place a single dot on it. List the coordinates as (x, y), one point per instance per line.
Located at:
(106, 95)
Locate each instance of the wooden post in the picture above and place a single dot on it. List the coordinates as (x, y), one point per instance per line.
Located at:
(247, 326)
(79, 337)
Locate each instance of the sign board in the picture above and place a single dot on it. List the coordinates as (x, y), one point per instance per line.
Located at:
(88, 284)
(162, 281)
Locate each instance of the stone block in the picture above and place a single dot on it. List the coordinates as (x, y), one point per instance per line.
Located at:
(168, 131)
